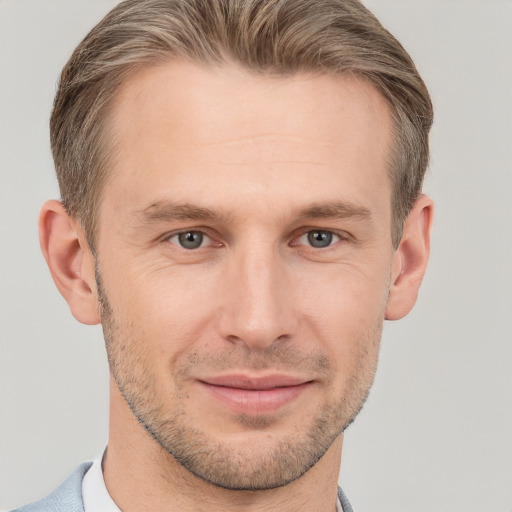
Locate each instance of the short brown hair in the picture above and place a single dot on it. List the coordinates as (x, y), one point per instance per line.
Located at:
(278, 37)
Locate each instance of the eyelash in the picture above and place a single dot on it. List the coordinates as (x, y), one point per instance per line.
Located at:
(333, 239)
(204, 238)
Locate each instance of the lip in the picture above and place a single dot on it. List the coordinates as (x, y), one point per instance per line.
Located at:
(255, 395)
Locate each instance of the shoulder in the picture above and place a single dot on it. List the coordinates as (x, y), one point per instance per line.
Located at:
(347, 507)
(66, 498)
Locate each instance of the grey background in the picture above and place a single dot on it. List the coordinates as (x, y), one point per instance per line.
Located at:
(436, 433)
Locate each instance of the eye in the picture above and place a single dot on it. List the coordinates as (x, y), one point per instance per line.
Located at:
(189, 239)
(319, 239)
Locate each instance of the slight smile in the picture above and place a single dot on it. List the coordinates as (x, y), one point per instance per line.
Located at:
(255, 395)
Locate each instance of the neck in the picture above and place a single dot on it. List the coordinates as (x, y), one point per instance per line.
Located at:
(141, 475)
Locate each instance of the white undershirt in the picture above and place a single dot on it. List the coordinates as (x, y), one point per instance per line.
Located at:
(96, 497)
(94, 491)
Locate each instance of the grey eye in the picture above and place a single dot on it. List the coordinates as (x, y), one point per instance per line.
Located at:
(320, 239)
(190, 239)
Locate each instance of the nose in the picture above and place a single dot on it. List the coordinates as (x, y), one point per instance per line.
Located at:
(259, 307)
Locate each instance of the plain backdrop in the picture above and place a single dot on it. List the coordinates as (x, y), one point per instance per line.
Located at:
(436, 433)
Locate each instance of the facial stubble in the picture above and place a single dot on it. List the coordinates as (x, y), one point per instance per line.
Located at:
(244, 465)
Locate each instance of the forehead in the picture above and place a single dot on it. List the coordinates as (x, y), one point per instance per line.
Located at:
(246, 102)
(178, 124)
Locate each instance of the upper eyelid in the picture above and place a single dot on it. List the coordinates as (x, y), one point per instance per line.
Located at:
(177, 232)
(344, 235)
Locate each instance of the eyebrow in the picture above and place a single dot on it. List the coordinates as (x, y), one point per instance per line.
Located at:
(168, 211)
(336, 210)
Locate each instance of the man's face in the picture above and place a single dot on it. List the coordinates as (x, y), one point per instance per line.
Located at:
(244, 259)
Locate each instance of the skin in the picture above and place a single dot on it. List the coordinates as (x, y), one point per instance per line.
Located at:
(255, 165)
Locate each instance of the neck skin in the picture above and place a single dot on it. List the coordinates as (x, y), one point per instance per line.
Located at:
(140, 475)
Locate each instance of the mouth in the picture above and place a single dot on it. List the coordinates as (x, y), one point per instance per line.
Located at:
(255, 395)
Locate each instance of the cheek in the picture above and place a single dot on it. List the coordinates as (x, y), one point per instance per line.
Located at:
(346, 310)
(176, 309)
(169, 309)
(345, 299)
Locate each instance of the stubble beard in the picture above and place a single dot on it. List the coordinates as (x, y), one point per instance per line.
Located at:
(228, 465)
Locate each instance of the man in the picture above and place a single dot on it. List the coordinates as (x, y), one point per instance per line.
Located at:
(241, 209)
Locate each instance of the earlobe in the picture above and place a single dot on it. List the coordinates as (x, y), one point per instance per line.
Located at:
(410, 259)
(70, 261)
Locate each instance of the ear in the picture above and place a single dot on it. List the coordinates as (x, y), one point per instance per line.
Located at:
(70, 261)
(410, 259)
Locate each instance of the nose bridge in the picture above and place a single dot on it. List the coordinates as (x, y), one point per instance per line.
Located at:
(260, 309)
